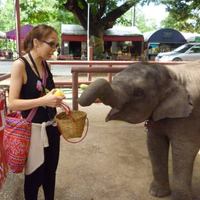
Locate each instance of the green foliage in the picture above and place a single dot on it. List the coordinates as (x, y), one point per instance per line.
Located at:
(7, 21)
(104, 14)
(183, 15)
(99, 56)
(36, 12)
(143, 24)
(62, 15)
(53, 12)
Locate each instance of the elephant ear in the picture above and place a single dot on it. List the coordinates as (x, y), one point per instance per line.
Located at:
(176, 104)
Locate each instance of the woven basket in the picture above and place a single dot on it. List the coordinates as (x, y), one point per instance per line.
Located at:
(72, 125)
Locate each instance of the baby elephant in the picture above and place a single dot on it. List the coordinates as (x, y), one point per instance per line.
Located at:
(168, 99)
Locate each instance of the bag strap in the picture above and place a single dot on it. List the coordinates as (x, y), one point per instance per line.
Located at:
(34, 110)
(44, 78)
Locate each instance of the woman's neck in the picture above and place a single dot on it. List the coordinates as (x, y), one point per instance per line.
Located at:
(37, 59)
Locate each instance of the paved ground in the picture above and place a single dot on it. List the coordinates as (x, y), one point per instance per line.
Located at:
(112, 163)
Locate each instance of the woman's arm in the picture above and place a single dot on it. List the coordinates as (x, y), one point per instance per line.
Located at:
(18, 78)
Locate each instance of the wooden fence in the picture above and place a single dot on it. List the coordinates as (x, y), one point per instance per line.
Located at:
(93, 67)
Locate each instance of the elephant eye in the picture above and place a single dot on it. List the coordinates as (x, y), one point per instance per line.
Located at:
(138, 92)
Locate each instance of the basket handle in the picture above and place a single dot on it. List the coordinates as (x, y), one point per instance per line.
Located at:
(66, 108)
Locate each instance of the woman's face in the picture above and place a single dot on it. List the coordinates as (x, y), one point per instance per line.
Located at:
(48, 46)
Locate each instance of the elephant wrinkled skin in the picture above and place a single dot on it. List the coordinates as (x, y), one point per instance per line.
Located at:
(169, 98)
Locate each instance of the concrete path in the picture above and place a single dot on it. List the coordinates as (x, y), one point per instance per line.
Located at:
(112, 163)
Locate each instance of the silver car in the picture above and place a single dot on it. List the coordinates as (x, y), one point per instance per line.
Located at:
(186, 52)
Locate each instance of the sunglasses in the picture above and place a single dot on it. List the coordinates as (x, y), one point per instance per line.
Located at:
(51, 44)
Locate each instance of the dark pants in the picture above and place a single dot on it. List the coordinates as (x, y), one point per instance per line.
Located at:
(45, 175)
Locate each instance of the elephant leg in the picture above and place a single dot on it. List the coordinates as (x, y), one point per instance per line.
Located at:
(158, 148)
(183, 157)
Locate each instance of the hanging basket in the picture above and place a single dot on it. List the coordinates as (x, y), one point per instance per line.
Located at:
(71, 123)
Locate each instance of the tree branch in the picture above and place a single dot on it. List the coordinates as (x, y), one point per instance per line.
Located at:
(101, 10)
(98, 25)
(80, 14)
(111, 17)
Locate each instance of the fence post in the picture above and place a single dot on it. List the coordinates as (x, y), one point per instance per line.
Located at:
(89, 75)
(110, 74)
(75, 90)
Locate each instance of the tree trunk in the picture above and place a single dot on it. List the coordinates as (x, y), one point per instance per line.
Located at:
(100, 19)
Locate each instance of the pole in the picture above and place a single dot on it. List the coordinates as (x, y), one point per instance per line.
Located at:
(133, 16)
(18, 29)
(88, 33)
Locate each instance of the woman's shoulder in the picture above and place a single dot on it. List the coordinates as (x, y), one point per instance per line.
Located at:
(20, 61)
(18, 65)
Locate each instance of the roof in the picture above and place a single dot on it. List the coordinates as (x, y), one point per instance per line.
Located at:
(166, 35)
(69, 29)
(191, 37)
(123, 31)
(24, 30)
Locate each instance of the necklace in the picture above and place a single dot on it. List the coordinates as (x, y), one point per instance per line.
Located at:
(51, 111)
(33, 62)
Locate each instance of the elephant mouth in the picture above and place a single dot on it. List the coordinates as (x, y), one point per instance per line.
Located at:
(112, 114)
(126, 114)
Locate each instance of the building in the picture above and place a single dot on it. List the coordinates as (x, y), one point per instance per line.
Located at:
(162, 40)
(122, 43)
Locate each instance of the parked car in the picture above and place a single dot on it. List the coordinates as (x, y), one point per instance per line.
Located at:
(186, 52)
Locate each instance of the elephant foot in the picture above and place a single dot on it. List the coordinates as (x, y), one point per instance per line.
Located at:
(182, 195)
(157, 190)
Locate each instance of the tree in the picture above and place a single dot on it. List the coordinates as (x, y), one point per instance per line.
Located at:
(180, 25)
(103, 13)
(6, 14)
(37, 12)
(102, 16)
(143, 24)
(183, 14)
(6, 24)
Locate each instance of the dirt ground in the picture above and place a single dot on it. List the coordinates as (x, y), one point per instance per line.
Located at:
(111, 163)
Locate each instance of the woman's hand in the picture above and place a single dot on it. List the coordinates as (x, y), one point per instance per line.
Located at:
(52, 100)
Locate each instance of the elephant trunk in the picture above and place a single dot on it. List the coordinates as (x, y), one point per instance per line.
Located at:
(101, 89)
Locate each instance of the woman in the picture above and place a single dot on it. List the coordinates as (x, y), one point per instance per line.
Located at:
(27, 91)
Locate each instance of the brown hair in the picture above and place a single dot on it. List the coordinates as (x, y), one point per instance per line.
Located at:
(39, 32)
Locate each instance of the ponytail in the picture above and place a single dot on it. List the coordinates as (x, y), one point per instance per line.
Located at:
(39, 32)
